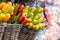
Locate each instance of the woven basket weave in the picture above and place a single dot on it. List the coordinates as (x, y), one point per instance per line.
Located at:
(27, 34)
(12, 31)
(1, 31)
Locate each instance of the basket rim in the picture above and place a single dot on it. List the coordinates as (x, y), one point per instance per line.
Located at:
(9, 24)
(14, 24)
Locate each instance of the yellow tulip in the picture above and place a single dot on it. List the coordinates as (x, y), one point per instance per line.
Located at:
(42, 25)
(12, 8)
(9, 3)
(40, 10)
(35, 27)
(33, 9)
(1, 17)
(31, 15)
(38, 16)
(30, 24)
(25, 14)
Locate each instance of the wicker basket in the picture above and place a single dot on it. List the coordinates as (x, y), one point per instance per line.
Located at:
(12, 31)
(27, 34)
(1, 31)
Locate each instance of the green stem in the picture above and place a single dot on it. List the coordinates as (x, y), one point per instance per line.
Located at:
(35, 13)
(0, 0)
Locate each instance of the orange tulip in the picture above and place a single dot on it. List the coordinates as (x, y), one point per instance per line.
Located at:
(2, 4)
(6, 8)
(6, 17)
